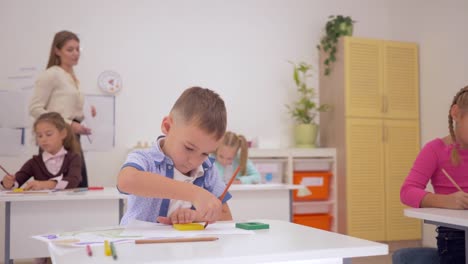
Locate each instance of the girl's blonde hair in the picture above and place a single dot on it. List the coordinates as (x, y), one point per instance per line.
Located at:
(461, 100)
(232, 140)
(59, 41)
(69, 142)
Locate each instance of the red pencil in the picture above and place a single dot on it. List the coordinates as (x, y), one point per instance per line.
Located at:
(227, 187)
(88, 250)
(95, 188)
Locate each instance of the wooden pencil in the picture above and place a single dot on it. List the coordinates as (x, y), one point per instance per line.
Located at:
(227, 188)
(175, 240)
(452, 181)
(3, 169)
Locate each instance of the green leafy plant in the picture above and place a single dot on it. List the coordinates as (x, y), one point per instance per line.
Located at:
(336, 27)
(305, 109)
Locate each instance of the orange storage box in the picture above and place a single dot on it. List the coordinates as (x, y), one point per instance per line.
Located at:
(317, 182)
(321, 221)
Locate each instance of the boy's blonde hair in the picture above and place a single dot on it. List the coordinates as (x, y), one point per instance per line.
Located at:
(203, 108)
(461, 100)
(232, 140)
(69, 142)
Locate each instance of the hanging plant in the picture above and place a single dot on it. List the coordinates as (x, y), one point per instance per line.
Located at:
(336, 27)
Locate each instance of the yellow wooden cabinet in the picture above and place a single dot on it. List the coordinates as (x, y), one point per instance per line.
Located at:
(374, 124)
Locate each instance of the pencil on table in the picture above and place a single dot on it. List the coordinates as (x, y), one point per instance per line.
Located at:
(107, 248)
(227, 187)
(452, 181)
(89, 251)
(113, 252)
(174, 240)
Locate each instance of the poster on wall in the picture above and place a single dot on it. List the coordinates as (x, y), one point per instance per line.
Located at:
(102, 125)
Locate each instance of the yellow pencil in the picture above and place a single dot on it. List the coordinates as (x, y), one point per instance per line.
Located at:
(174, 240)
(452, 181)
(107, 248)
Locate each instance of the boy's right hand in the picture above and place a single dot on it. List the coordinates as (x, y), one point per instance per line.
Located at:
(8, 181)
(207, 205)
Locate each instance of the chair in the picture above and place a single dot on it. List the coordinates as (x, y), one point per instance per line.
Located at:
(415, 256)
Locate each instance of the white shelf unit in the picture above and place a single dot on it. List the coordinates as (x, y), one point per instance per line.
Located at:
(293, 154)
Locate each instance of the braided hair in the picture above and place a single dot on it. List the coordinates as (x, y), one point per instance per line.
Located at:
(461, 100)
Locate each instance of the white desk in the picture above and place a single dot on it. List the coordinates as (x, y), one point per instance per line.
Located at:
(443, 217)
(268, 201)
(33, 214)
(284, 242)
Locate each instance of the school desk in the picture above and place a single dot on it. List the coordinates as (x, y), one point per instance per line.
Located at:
(34, 214)
(283, 242)
(443, 217)
(269, 201)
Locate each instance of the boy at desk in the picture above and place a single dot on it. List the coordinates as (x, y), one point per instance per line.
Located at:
(174, 182)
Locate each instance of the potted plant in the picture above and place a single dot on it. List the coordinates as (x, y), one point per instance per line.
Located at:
(305, 109)
(336, 27)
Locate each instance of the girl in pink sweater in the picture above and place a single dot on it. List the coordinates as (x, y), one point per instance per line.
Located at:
(449, 153)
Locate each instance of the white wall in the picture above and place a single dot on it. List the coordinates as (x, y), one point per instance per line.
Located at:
(438, 28)
(238, 48)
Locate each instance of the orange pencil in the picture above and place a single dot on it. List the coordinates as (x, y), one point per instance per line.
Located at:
(227, 187)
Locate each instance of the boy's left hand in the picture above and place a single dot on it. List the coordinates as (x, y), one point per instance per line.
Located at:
(179, 216)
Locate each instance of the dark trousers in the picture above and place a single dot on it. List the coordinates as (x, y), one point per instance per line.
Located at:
(451, 245)
(84, 173)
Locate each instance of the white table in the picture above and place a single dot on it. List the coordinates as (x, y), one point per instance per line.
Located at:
(269, 201)
(34, 214)
(443, 217)
(284, 242)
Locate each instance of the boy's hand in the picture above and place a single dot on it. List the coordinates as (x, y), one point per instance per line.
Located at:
(9, 181)
(179, 216)
(207, 205)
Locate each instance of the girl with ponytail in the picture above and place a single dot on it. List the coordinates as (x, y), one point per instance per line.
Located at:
(233, 152)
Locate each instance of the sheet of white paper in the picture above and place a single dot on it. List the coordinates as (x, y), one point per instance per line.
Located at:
(147, 229)
(81, 238)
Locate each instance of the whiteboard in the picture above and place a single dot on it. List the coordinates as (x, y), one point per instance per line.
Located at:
(102, 126)
(14, 108)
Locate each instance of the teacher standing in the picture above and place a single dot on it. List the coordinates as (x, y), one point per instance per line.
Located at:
(58, 90)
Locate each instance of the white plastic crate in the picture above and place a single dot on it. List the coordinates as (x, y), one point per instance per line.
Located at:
(313, 164)
(272, 170)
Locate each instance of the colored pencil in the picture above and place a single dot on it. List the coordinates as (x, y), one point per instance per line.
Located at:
(227, 187)
(89, 251)
(3, 169)
(175, 240)
(114, 253)
(452, 181)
